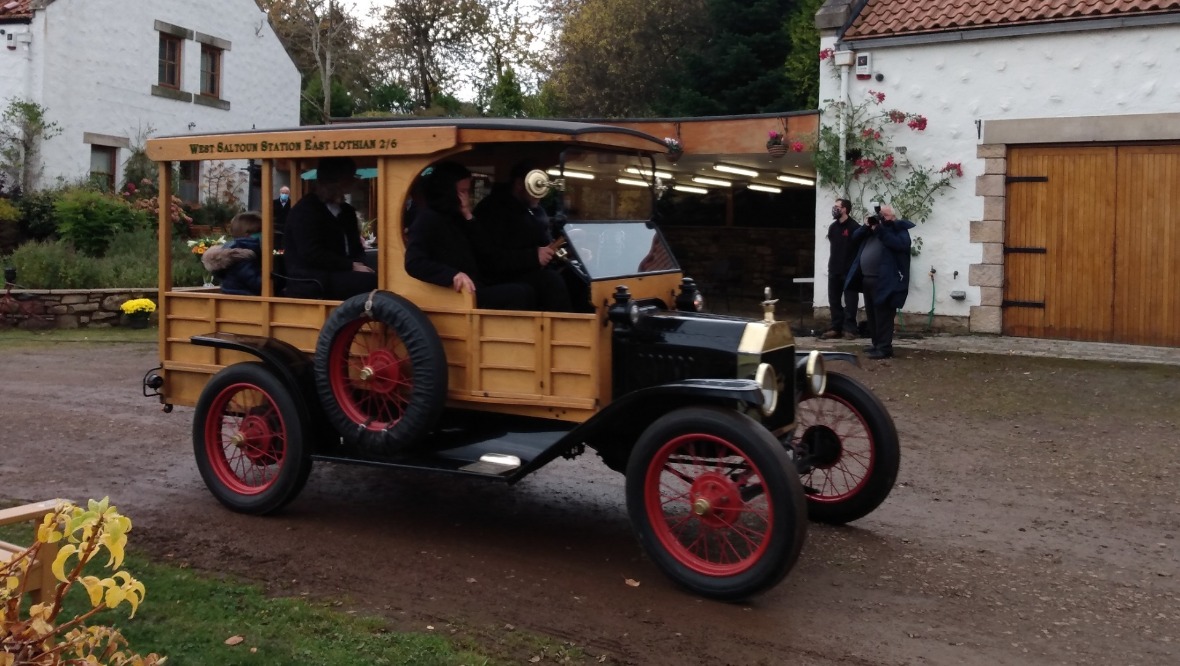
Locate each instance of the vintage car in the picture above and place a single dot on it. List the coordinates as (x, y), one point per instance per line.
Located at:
(728, 436)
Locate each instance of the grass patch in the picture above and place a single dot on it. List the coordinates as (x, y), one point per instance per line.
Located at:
(188, 617)
(10, 337)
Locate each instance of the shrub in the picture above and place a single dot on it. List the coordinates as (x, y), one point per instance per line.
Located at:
(10, 217)
(90, 219)
(39, 221)
(36, 635)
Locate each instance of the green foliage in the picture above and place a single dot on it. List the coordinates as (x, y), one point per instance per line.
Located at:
(800, 68)
(507, 100)
(615, 58)
(90, 219)
(130, 262)
(10, 227)
(870, 167)
(23, 126)
(390, 98)
(311, 102)
(54, 265)
(739, 68)
(38, 220)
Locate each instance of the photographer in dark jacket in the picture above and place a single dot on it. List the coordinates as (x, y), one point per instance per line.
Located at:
(440, 249)
(882, 271)
(322, 241)
(842, 302)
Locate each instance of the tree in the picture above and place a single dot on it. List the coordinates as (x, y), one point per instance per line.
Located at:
(615, 57)
(800, 69)
(321, 36)
(312, 110)
(428, 43)
(23, 126)
(509, 39)
(507, 100)
(740, 67)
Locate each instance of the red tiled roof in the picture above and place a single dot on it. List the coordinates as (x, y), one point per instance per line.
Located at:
(15, 9)
(881, 18)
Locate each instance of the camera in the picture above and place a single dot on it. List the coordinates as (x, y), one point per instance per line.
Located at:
(876, 207)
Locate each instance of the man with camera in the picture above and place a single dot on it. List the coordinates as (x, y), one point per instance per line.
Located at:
(842, 301)
(881, 271)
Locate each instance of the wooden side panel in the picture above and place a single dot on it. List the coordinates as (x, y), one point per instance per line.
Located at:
(1147, 254)
(1072, 213)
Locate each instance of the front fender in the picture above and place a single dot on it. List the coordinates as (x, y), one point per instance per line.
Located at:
(613, 430)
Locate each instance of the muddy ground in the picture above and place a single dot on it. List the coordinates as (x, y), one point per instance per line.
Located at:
(1035, 521)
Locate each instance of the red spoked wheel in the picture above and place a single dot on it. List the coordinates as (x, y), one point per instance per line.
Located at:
(248, 437)
(381, 372)
(847, 451)
(715, 502)
(707, 506)
(371, 374)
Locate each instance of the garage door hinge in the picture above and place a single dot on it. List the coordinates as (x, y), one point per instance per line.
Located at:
(1023, 304)
(1026, 179)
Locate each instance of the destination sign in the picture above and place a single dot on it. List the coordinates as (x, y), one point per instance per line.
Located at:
(280, 147)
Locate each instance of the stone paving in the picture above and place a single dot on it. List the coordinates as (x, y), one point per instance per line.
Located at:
(995, 344)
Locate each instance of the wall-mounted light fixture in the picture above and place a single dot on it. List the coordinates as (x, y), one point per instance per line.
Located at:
(796, 180)
(191, 126)
(741, 171)
(764, 188)
(647, 172)
(711, 181)
(690, 189)
(571, 174)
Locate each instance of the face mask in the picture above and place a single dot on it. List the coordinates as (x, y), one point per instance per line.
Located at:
(836, 212)
(284, 197)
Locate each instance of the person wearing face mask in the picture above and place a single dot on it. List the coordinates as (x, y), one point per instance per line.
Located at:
(842, 301)
(322, 241)
(282, 206)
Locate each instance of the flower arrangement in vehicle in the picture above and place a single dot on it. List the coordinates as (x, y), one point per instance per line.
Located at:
(200, 245)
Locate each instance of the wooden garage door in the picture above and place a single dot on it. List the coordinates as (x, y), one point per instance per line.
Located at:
(1092, 245)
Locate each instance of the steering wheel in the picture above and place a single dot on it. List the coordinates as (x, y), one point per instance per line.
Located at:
(565, 257)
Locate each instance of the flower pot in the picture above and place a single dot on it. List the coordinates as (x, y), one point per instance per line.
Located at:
(138, 320)
(777, 150)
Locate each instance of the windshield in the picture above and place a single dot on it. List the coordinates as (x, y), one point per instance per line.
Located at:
(617, 249)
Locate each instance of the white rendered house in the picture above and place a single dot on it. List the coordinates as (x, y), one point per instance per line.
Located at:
(1066, 120)
(110, 71)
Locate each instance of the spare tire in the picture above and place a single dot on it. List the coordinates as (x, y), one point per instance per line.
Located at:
(381, 372)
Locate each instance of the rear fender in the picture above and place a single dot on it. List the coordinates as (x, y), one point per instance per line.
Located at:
(290, 365)
(613, 431)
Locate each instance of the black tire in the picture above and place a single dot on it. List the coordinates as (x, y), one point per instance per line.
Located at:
(381, 373)
(848, 451)
(704, 450)
(249, 439)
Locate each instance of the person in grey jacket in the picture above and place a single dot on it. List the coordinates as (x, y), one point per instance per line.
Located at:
(881, 271)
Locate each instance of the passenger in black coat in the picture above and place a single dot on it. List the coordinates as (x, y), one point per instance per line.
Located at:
(440, 250)
(322, 241)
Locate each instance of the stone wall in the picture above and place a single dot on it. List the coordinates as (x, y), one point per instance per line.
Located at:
(68, 308)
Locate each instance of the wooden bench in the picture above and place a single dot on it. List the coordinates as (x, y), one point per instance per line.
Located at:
(40, 582)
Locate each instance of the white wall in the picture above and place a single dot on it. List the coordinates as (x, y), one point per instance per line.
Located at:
(95, 62)
(15, 64)
(1110, 72)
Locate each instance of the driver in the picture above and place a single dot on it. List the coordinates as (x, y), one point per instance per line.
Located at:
(512, 241)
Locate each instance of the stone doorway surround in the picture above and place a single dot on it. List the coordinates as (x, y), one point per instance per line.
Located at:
(997, 136)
